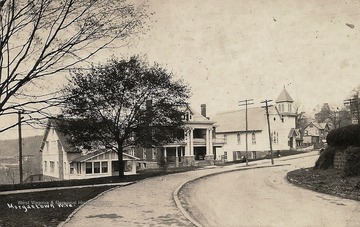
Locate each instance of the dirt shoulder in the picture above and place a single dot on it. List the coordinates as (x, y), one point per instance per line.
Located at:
(330, 181)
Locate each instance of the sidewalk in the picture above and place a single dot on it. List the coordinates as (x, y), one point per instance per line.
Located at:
(150, 202)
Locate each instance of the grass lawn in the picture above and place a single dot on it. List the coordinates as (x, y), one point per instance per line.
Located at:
(330, 181)
(21, 210)
(44, 214)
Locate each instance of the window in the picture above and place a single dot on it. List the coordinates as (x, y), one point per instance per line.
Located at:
(289, 107)
(153, 153)
(88, 167)
(225, 138)
(96, 167)
(225, 155)
(104, 167)
(52, 166)
(47, 146)
(282, 108)
(254, 154)
(306, 132)
(64, 167)
(238, 138)
(253, 138)
(45, 166)
(144, 153)
(78, 168)
(72, 167)
(275, 137)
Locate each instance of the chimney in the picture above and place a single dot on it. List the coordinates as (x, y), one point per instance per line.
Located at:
(203, 110)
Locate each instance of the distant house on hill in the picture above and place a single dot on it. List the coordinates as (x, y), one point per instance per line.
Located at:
(232, 128)
(61, 161)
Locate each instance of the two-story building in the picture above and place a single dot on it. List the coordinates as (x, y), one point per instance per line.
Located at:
(198, 147)
(232, 128)
(61, 161)
(315, 132)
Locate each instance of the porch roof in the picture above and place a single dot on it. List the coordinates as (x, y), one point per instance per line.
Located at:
(87, 157)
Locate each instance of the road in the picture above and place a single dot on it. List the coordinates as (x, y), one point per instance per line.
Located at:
(263, 197)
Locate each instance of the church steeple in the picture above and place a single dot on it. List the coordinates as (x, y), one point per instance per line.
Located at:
(284, 97)
(284, 102)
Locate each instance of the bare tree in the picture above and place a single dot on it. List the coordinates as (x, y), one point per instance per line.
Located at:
(42, 38)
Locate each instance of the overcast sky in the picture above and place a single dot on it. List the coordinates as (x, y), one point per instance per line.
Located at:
(240, 49)
(230, 50)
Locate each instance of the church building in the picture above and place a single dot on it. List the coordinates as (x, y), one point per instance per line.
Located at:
(232, 128)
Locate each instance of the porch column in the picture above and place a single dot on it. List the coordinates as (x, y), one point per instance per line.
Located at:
(211, 141)
(192, 141)
(133, 167)
(189, 147)
(207, 141)
(165, 151)
(176, 157)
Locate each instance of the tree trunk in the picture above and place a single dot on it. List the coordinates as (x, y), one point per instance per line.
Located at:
(121, 161)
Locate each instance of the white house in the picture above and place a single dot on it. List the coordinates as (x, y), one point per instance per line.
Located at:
(199, 143)
(232, 128)
(198, 146)
(60, 161)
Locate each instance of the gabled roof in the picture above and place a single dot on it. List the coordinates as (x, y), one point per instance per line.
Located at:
(62, 138)
(86, 157)
(284, 97)
(196, 116)
(234, 121)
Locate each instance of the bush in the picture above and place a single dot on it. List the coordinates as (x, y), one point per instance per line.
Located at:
(344, 136)
(352, 165)
(326, 159)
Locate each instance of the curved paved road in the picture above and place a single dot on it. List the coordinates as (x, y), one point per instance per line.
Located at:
(263, 197)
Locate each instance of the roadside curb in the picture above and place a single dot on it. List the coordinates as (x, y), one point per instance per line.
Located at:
(90, 200)
(181, 186)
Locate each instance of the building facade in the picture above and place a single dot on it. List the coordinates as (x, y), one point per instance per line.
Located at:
(60, 161)
(232, 128)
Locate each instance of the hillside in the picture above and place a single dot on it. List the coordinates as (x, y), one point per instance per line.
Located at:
(30, 145)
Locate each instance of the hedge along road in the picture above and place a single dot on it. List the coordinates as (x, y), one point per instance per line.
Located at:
(264, 197)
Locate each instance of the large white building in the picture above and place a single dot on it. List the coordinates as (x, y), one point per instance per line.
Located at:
(61, 161)
(232, 128)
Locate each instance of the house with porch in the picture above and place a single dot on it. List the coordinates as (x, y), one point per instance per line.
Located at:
(61, 161)
(232, 128)
(198, 146)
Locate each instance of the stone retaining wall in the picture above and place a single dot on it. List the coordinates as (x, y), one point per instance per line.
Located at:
(340, 158)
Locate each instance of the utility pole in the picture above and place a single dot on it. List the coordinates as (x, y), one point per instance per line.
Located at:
(267, 117)
(20, 148)
(245, 103)
(353, 103)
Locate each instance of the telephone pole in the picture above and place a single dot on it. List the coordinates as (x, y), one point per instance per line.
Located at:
(267, 117)
(20, 148)
(354, 107)
(245, 103)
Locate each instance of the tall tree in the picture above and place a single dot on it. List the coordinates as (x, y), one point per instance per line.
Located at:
(41, 38)
(123, 103)
(336, 117)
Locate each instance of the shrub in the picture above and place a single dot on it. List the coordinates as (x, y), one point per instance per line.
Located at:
(344, 136)
(326, 159)
(352, 165)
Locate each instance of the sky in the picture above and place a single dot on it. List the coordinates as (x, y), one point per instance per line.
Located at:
(231, 50)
